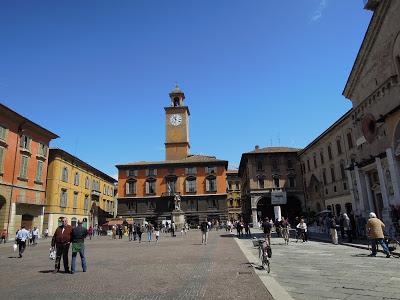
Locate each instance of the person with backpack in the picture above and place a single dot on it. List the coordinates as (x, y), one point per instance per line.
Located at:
(204, 232)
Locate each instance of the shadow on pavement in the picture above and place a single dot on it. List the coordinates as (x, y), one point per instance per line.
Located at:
(366, 255)
(46, 271)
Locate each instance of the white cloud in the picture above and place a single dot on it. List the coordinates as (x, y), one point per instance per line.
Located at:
(318, 12)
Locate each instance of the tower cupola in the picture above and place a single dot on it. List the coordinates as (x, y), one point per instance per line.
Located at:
(177, 97)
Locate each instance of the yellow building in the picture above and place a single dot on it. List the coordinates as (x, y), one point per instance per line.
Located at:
(76, 190)
(233, 190)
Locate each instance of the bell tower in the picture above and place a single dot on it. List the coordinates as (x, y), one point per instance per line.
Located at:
(177, 126)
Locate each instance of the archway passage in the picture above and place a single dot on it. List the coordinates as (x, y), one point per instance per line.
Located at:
(3, 213)
(290, 210)
(27, 221)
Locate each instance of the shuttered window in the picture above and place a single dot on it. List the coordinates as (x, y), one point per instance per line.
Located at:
(63, 198)
(75, 200)
(3, 132)
(2, 153)
(24, 166)
(191, 185)
(150, 187)
(211, 185)
(25, 142)
(64, 176)
(130, 187)
(39, 170)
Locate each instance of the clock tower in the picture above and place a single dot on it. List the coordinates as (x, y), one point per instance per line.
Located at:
(177, 127)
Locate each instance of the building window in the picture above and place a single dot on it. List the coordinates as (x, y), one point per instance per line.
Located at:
(230, 202)
(132, 173)
(276, 182)
(350, 140)
(171, 186)
(3, 132)
(39, 170)
(308, 165)
(64, 176)
(212, 203)
(339, 146)
(326, 191)
(238, 186)
(75, 200)
(292, 182)
(211, 170)
(324, 176)
(261, 183)
(321, 154)
(2, 152)
(42, 150)
(333, 174)
(315, 161)
(63, 198)
(259, 166)
(86, 202)
(24, 167)
(211, 184)
(86, 182)
(104, 189)
(151, 172)
(290, 164)
(76, 178)
(334, 188)
(151, 187)
(342, 171)
(329, 152)
(191, 185)
(130, 187)
(344, 185)
(192, 204)
(191, 171)
(25, 142)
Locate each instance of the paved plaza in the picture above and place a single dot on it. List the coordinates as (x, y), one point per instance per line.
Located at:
(182, 268)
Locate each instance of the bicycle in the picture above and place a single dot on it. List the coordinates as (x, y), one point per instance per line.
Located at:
(264, 253)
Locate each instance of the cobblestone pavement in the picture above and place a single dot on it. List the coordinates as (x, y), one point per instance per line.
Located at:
(176, 268)
(317, 270)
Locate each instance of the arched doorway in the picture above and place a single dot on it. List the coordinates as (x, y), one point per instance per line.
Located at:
(3, 213)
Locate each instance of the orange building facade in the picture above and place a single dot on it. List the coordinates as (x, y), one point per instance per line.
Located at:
(23, 168)
(147, 189)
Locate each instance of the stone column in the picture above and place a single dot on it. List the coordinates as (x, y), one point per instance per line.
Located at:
(11, 221)
(41, 219)
(351, 189)
(50, 224)
(386, 209)
(394, 174)
(254, 217)
(369, 194)
(277, 212)
(360, 188)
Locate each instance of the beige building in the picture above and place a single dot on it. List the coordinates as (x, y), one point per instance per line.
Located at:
(271, 183)
(234, 196)
(373, 88)
(77, 190)
(326, 179)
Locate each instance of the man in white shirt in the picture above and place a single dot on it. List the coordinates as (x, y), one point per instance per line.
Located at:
(22, 236)
(35, 235)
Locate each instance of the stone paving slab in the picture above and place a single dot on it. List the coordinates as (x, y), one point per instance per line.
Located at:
(317, 270)
(176, 268)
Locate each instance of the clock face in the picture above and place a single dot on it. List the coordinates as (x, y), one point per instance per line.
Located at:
(175, 119)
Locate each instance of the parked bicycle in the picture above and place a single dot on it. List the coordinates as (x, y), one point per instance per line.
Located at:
(264, 253)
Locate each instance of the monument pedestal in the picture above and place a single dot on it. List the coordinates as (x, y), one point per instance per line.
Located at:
(178, 217)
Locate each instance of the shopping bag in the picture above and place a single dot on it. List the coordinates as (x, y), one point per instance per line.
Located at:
(52, 254)
(15, 246)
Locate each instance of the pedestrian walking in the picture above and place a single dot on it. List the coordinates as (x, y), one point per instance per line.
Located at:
(375, 229)
(79, 234)
(46, 233)
(3, 236)
(157, 234)
(247, 229)
(21, 237)
(333, 230)
(90, 232)
(173, 228)
(347, 227)
(134, 228)
(114, 232)
(130, 232)
(149, 229)
(61, 241)
(35, 235)
(204, 232)
(120, 232)
(139, 233)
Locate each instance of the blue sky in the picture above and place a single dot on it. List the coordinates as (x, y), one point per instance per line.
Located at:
(255, 72)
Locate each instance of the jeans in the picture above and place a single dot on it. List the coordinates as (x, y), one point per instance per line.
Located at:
(83, 259)
(374, 246)
(21, 247)
(204, 236)
(149, 236)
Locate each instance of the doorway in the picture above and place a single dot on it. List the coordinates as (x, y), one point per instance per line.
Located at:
(27, 221)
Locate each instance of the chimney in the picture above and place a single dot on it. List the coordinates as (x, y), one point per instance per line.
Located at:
(257, 147)
(371, 4)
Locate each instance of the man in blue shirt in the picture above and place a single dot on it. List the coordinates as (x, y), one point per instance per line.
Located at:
(22, 236)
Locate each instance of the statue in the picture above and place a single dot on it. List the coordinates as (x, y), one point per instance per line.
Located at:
(177, 200)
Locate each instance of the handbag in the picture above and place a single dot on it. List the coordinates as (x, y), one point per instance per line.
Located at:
(52, 254)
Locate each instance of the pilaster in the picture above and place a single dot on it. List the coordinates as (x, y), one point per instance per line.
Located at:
(394, 174)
